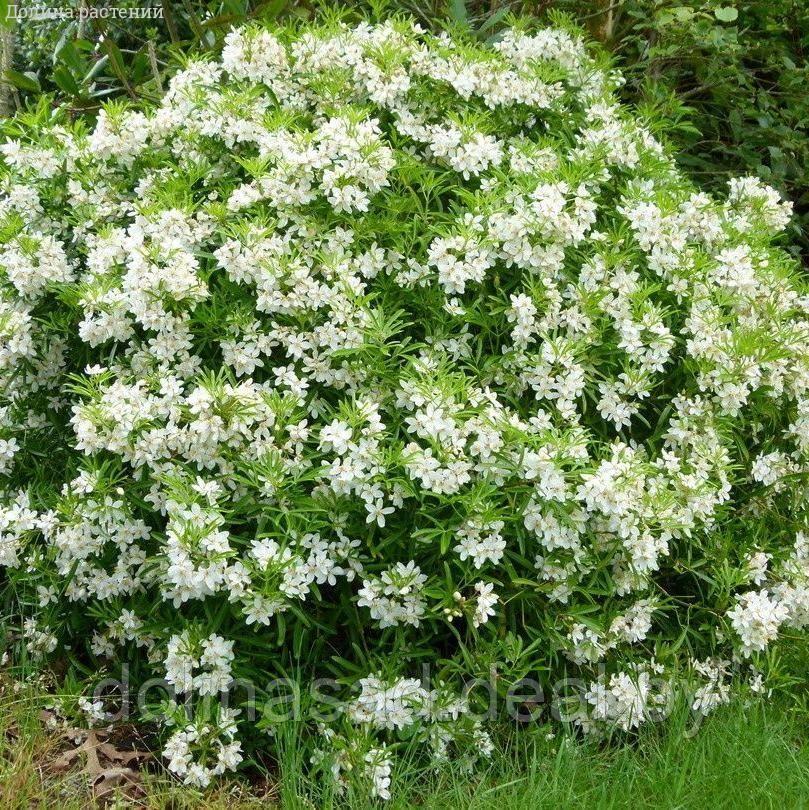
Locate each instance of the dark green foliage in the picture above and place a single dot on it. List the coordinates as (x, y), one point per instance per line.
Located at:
(736, 72)
(730, 78)
(84, 58)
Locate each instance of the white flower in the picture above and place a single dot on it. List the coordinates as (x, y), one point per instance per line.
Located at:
(756, 618)
(485, 601)
(377, 511)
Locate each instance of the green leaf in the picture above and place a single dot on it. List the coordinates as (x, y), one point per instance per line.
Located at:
(683, 13)
(25, 81)
(458, 12)
(493, 19)
(726, 14)
(70, 56)
(96, 69)
(64, 80)
(116, 59)
(117, 63)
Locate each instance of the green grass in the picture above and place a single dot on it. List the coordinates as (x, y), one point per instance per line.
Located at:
(743, 757)
(750, 756)
(747, 755)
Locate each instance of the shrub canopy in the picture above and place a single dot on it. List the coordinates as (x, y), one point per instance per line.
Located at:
(369, 350)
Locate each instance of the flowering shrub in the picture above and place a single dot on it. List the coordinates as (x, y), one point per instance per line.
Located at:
(369, 350)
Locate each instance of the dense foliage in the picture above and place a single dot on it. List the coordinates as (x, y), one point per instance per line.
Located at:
(730, 78)
(368, 349)
(739, 70)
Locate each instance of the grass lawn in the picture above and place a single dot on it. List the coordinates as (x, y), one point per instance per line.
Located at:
(744, 756)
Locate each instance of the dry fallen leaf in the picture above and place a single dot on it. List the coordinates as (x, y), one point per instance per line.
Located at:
(113, 783)
(107, 767)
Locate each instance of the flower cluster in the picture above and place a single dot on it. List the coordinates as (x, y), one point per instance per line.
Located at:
(366, 349)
